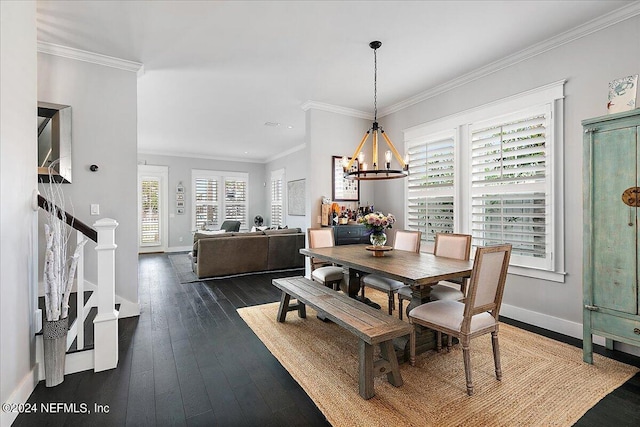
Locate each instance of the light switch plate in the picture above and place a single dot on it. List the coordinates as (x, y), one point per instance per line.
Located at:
(95, 209)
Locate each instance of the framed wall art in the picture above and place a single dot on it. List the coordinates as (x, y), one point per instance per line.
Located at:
(296, 197)
(344, 190)
(622, 94)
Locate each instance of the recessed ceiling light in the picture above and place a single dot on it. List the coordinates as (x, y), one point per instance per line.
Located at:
(289, 127)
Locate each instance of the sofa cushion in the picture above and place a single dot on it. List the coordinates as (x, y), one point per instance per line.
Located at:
(231, 255)
(246, 233)
(284, 250)
(282, 231)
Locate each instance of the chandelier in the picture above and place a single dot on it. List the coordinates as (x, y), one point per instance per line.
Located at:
(363, 172)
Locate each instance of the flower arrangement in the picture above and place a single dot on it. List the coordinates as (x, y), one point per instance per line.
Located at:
(376, 222)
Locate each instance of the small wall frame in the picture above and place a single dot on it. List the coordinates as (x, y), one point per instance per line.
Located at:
(344, 190)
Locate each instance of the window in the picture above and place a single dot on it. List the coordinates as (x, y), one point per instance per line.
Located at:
(430, 186)
(509, 197)
(277, 216)
(219, 196)
(150, 211)
(494, 172)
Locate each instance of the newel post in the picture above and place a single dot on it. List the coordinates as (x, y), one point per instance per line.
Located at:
(105, 325)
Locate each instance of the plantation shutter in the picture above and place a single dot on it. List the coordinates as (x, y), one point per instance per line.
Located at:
(206, 202)
(430, 185)
(509, 188)
(235, 200)
(277, 218)
(150, 218)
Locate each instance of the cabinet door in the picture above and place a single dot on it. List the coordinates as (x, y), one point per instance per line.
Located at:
(614, 223)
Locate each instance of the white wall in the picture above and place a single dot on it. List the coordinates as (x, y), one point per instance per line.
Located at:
(295, 168)
(103, 102)
(180, 171)
(18, 121)
(329, 134)
(588, 64)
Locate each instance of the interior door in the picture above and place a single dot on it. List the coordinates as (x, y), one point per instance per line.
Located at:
(152, 208)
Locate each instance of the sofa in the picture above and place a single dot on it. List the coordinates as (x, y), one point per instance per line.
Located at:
(225, 254)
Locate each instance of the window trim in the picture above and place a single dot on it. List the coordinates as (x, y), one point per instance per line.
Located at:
(278, 174)
(220, 176)
(552, 94)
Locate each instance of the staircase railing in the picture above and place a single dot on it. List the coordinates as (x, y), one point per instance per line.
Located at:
(105, 324)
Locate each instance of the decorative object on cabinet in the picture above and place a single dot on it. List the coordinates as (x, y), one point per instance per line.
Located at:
(296, 197)
(344, 190)
(611, 307)
(622, 94)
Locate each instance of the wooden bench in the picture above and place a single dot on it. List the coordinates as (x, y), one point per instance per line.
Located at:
(371, 326)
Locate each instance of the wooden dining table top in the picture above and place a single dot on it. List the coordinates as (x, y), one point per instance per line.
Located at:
(408, 267)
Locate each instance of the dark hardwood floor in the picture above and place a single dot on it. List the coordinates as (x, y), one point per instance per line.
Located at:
(189, 359)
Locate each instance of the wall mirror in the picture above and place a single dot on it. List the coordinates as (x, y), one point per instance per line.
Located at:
(54, 142)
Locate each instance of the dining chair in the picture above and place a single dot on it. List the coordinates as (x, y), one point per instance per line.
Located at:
(404, 241)
(322, 271)
(448, 245)
(477, 315)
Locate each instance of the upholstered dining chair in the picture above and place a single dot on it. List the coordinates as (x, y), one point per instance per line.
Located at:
(323, 272)
(404, 241)
(477, 315)
(448, 245)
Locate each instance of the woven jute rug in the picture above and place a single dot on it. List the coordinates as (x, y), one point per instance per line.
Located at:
(544, 382)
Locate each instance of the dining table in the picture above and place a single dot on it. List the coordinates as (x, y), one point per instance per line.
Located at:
(418, 270)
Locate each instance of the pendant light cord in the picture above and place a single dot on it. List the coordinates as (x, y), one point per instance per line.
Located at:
(375, 85)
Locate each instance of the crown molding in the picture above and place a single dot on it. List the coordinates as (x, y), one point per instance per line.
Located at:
(94, 58)
(198, 156)
(576, 33)
(345, 111)
(285, 153)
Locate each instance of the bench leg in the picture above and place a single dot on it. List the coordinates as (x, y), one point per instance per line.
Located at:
(284, 306)
(302, 310)
(388, 353)
(365, 381)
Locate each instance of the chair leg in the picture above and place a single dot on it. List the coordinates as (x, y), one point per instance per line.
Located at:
(412, 346)
(400, 307)
(496, 354)
(439, 341)
(467, 365)
(449, 342)
(392, 303)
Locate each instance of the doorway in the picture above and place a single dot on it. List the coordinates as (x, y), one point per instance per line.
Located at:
(152, 208)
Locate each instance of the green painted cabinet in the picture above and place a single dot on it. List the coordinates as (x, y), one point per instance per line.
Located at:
(611, 233)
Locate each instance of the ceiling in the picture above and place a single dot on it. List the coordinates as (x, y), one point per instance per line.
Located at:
(216, 71)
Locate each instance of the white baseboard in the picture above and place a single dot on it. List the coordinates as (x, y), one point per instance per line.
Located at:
(180, 249)
(555, 324)
(20, 395)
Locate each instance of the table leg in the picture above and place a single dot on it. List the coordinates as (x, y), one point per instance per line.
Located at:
(351, 283)
(425, 338)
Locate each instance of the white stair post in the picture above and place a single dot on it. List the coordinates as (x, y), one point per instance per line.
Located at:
(105, 325)
(80, 295)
